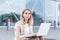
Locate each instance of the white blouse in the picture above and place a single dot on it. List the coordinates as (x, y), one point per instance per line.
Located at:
(26, 29)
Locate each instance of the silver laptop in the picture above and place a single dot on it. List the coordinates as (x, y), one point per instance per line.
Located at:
(44, 29)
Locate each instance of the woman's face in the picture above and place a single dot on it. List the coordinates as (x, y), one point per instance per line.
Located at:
(27, 14)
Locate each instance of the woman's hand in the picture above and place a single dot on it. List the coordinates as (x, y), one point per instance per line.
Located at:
(33, 34)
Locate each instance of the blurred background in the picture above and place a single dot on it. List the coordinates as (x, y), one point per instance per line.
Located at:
(42, 10)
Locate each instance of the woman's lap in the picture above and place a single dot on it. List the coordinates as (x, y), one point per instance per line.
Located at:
(36, 38)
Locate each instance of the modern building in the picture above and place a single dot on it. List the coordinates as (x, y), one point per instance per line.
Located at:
(48, 10)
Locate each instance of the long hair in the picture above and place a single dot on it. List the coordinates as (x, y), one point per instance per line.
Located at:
(30, 20)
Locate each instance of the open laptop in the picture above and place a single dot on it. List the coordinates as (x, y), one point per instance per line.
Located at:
(43, 29)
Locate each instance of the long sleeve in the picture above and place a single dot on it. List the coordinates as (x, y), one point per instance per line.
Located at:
(18, 31)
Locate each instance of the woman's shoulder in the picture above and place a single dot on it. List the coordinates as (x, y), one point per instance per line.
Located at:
(18, 23)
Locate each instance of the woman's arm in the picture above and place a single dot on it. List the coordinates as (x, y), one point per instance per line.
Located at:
(18, 31)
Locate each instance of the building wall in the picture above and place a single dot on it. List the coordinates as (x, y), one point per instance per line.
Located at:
(50, 10)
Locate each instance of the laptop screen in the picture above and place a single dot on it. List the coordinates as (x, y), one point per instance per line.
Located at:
(43, 29)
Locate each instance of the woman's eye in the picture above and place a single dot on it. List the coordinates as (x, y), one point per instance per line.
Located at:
(25, 13)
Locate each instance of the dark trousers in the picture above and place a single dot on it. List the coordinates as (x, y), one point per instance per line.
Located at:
(36, 38)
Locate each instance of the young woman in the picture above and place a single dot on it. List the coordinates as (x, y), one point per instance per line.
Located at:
(24, 27)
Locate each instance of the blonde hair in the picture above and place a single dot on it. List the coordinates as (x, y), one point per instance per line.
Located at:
(30, 21)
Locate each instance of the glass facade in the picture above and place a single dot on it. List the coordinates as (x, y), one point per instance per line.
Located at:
(46, 10)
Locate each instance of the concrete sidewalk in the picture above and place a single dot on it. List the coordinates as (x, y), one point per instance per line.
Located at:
(54, 34)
